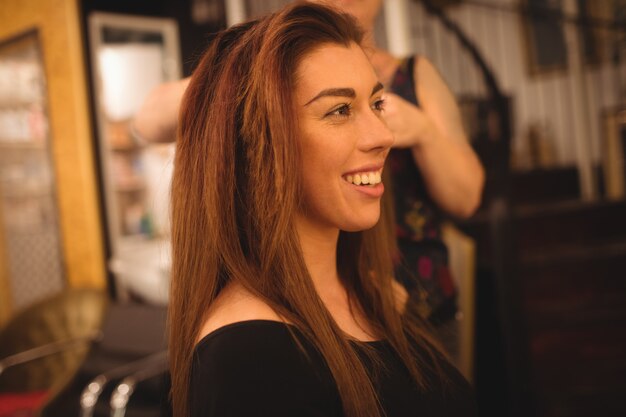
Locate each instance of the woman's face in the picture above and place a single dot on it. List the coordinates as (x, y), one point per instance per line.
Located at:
(344, 140)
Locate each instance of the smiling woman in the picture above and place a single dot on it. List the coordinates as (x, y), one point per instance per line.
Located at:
(282, 300)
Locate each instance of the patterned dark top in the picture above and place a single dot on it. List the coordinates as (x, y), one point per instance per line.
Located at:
(423, 264)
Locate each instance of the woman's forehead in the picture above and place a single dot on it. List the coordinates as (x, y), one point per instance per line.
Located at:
(333, 66)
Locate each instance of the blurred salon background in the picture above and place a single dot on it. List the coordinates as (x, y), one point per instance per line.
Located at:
(84, 255)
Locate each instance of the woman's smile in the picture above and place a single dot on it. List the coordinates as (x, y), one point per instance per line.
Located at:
(366, 180)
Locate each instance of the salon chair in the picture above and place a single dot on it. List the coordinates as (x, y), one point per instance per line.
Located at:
(43, 346)
(131, 355)
(52, 353)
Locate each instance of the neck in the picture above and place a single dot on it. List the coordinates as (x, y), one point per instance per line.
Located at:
(319, 248)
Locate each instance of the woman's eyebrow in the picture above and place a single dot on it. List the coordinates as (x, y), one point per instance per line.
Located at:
(342, 92)
(334, 92)
(376, 88)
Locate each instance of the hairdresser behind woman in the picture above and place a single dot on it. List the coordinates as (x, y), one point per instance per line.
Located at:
(283, 301)
(432, 174)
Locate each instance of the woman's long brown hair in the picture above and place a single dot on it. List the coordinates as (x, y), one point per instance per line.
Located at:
(235, 193)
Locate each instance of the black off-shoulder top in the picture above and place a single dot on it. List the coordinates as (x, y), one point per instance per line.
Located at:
(256, 368)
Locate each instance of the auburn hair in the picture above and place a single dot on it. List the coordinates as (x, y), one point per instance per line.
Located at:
(235, 193)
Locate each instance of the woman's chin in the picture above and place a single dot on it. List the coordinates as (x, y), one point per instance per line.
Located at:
(362, 224)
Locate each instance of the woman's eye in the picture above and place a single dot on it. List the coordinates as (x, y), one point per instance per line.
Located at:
(379, 105)
(342, 111)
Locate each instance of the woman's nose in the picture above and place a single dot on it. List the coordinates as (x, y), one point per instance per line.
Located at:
(375, 135)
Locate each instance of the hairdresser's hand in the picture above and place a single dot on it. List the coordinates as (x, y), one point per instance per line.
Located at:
(157, 118)
(410, 125)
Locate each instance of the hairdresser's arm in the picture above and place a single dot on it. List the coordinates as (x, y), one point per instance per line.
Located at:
(453, 174)
(157, 119)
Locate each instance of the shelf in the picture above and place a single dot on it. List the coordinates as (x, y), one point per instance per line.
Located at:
(127, 149)
(22, 146)
(8, 194)
(131, 187)
(19, 104)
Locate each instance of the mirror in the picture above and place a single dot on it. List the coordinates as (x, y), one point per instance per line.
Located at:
(131, 55)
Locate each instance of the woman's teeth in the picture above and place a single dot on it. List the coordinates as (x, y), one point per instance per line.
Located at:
(364, 178)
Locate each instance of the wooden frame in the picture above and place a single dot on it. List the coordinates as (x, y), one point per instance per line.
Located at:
(6, 302)
(462, 260)
(544, 37)
(72, 146)
(613, 122)
(596, 37)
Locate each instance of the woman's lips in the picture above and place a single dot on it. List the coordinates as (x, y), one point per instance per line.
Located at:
(376, 190)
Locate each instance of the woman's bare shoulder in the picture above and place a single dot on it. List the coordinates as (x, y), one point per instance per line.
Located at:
(235, 304)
